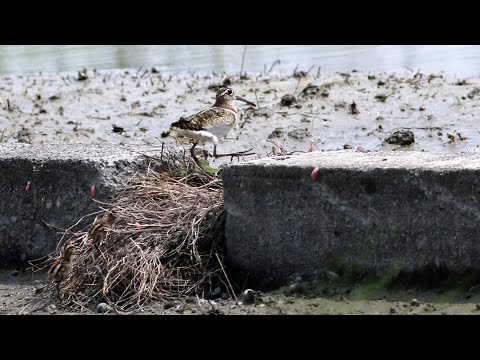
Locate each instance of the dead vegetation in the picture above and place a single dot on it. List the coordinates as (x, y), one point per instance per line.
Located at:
(163, 242)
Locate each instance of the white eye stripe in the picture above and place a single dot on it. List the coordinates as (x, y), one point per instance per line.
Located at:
(226, 91)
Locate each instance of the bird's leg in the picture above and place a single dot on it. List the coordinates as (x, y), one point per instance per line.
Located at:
(58, 290)
(192, 150)
(237, 154)
(205, 153)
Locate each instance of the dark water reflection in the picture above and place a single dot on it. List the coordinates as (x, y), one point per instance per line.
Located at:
(459, 60)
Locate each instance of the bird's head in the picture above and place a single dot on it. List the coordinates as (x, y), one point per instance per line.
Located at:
(226, 94)
(68, 251)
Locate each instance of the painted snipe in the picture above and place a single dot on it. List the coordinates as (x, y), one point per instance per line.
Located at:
(212, 124)
(98, 230)
(60, 268)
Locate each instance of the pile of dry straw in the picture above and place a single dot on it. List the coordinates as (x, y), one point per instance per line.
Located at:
(164, 241)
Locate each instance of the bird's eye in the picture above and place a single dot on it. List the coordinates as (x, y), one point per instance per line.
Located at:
(229, 92)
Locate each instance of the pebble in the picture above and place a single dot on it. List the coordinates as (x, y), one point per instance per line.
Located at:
(248, 297)
(103, 308)
(401, 137)
(288, 100)
(414, 302)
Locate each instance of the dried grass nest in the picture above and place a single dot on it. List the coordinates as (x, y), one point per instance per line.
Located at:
(162, 239)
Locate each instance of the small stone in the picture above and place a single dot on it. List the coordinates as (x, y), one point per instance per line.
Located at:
(299, 134)
(278, 132)
(347, 147)
(401, 137)
(103, 308)
(288, 100)
(361, 149)
(168, 305)
(392, 311)
(248, 297)
(415, 302)
(15, 273)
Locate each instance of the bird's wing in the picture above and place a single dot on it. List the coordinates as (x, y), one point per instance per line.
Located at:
(206, 119)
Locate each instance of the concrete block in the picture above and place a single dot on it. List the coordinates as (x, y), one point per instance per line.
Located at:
(60, 177)
(366, 212)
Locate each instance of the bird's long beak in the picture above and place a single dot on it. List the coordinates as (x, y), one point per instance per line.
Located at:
(245, 100)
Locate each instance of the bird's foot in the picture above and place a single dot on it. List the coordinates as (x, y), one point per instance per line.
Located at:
(205, 153)
(237, 154)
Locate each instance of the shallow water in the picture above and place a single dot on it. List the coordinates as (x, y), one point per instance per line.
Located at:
(457, 60)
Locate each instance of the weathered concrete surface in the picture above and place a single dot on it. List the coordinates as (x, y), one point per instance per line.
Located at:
(60, 176)
(365, 212)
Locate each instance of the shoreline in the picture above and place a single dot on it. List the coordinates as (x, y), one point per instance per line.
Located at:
(61, 108)
(141, 105)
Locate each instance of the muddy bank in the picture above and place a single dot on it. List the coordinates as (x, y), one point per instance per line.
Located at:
(354, 109)
(374, 298)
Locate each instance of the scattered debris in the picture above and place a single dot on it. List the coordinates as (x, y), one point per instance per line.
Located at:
(117, 129)
(277, 133)
(401, 137)
(299, 134)
(473, 93)
(82, 75)
(352, 108)
(382, 97)
(288, 100)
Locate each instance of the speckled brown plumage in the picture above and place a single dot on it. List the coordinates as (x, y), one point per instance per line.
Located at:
(60, 268)
(98, 230)
(213, 123)
(206, 119)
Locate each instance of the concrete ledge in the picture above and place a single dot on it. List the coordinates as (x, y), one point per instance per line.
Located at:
(367, 212)
(61, 176)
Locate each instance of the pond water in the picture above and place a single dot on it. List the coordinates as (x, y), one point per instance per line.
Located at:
(456, 60)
